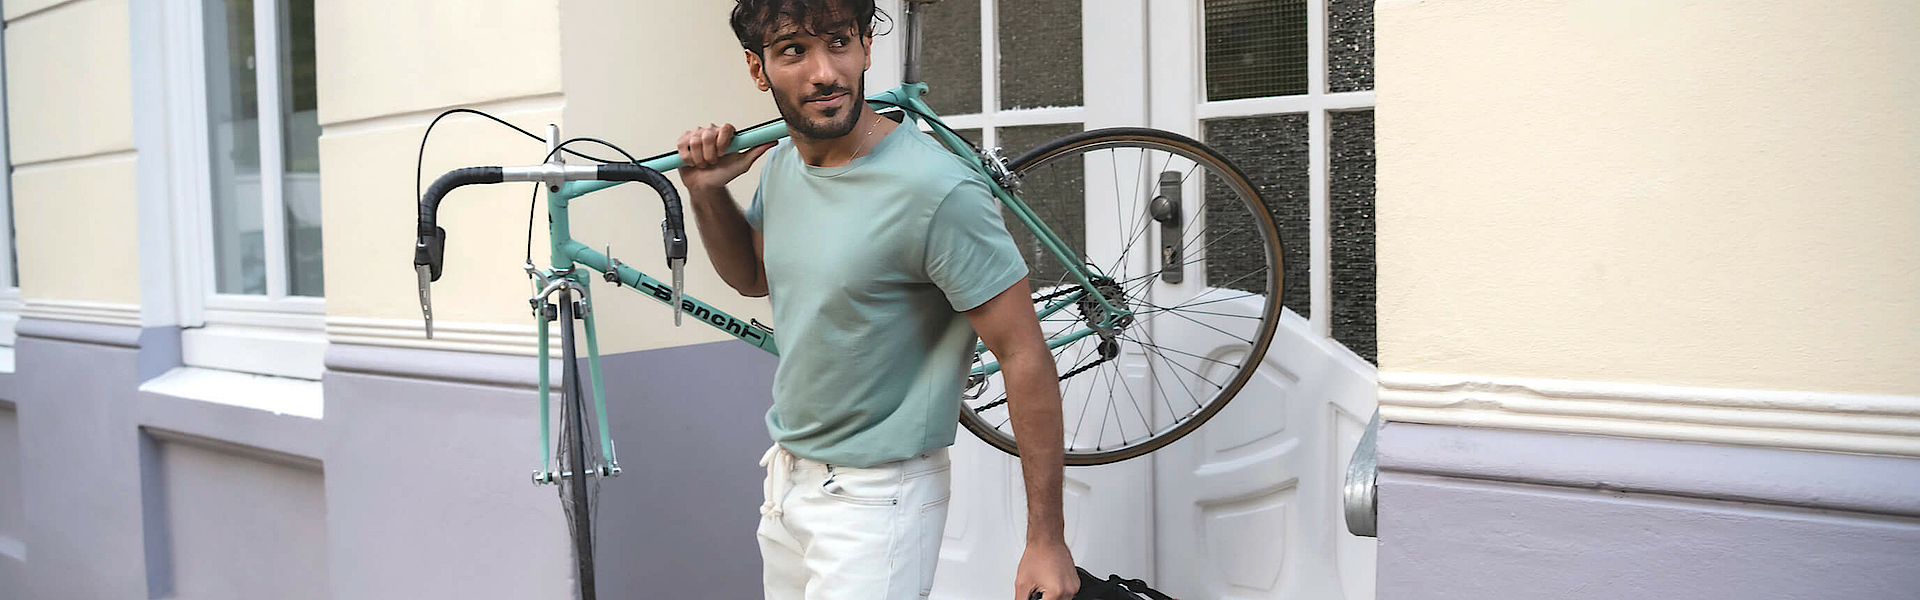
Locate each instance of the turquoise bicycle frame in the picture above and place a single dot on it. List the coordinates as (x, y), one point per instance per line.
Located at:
(566, 252)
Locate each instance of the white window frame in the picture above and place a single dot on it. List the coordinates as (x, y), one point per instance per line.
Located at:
(10, 303)
(1181, 105)
(274, 333)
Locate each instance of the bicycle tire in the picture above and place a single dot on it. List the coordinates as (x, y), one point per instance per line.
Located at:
(575, 482)
(1258, 216)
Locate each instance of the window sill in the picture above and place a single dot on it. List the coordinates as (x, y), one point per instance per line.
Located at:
(296, 353)
(277, 395)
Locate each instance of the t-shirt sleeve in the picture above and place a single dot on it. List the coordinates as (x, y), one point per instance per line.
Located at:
(970, 256)
(754, 209)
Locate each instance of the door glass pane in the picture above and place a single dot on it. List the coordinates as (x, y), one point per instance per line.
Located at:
(1256, 48)
(1351, 217)
(1058, 199)
(1272, 151)
(239, 254)
(1040, 53)
(1349, 45)
(298, 111)
(950, 55)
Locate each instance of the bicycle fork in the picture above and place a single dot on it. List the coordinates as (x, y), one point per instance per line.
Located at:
(565, 286)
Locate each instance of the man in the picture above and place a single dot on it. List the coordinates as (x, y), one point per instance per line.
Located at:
(883, 254)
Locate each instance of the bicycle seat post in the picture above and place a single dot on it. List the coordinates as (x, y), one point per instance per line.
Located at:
(910, 73)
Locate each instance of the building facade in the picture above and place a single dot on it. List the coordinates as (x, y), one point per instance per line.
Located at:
(1631, 283)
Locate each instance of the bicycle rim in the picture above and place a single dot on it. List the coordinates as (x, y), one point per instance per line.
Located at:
(1198, 331)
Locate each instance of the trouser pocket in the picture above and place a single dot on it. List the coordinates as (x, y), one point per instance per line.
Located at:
(932, 528)
(862, 487)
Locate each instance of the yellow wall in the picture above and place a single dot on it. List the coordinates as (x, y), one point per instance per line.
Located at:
(1711, 192)
(639, 74)
(70, 129)
(385, 70)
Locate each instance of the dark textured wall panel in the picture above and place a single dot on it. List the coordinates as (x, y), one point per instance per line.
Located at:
(1349, 45)
(950, 56)
(1056, 193)
(1272, 151)
(1350, 214)
(1040, 53)
(1255, 48)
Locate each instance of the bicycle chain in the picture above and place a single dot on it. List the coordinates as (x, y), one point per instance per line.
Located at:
(1075, 371)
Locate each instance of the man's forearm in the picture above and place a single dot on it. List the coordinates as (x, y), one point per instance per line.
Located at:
(1033, 398)
(728, 238)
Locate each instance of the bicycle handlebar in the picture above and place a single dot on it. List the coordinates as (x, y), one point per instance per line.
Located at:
(430, 244)
(430, 248)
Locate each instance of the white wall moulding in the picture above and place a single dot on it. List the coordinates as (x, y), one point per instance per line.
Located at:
(105, 313)
(490, 338)
(1882, 485)
(1856, 423)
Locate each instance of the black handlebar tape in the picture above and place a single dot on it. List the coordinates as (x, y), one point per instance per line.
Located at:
(430, 233)
(669, 196)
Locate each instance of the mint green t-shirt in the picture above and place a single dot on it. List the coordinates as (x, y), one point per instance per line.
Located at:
(868, 265)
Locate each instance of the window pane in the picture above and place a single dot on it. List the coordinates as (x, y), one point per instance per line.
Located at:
(1351, 217)
(950, 55)
(1349, 45)
(1256, 48)
(1039, 53)
(239, 254)
(1272, 151)
(1057, 197)
(298, 111)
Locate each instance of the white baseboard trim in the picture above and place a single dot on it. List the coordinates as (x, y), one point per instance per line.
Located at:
(105, 313)
(489, 338)
(1857, 423)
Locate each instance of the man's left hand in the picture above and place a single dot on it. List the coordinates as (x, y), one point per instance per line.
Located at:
(1046, 569)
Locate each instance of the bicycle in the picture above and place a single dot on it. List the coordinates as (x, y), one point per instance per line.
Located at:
(1101, 312)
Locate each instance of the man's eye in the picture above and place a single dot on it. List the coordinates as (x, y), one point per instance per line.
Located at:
(791, 50)
(839, 41)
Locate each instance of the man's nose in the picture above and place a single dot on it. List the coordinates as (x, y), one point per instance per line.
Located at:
(820, 71)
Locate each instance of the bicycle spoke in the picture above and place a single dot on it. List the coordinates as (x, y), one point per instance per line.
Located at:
(1194, 373)
(1116, 374)
(1166, 349)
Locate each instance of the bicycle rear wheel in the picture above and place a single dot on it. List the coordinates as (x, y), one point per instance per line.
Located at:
(1175, 234)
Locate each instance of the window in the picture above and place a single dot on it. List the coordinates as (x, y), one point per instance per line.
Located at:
(1288, 95)
(1009, 74)
(249, 207)
(9, 268)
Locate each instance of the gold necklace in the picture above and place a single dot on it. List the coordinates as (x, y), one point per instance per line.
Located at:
(868, 138)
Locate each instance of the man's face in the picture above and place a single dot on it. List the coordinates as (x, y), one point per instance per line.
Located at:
(816, 79)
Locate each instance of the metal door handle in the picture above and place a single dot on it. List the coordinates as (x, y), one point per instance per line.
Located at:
(1361, 490)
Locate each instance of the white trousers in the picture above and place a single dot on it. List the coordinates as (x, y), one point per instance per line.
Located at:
(829, 532)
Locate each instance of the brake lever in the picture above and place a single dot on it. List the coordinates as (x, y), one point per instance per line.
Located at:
(426, 299)
(676, 246)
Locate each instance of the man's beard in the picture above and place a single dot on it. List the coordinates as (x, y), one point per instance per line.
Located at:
(824, 128)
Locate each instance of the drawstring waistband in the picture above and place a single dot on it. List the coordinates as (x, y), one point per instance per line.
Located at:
(779, 464)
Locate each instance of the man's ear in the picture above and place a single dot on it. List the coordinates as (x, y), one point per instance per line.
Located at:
(757, 70)
(867, 48)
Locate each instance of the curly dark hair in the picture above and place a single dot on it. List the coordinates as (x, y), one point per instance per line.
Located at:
(754, 20)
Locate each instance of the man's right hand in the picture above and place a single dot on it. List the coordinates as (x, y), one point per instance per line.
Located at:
(708, 165)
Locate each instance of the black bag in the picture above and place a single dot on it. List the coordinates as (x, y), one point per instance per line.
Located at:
(1115, 588)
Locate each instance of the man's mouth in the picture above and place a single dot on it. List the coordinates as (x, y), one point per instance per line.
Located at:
(827, 99)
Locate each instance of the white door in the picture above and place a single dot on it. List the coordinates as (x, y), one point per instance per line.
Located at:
(1248, 505)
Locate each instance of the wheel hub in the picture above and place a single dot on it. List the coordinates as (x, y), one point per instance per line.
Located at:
(1096, 315)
